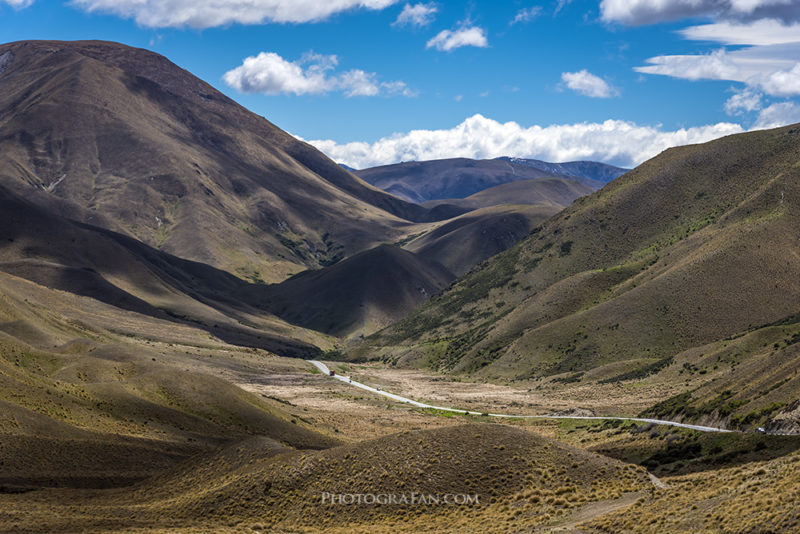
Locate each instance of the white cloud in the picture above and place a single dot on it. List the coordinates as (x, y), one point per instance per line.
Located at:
(418, 15)
(759, 32)
(447, 40)
(587, 84)
(776, 115)
(271, 74)
(743, 101)
(18, 4)
(619, 142)
(717, 65)
(212, 13)
(561, 5)
(636, 12)
(755, 67)
(526, 15)
(781, 83)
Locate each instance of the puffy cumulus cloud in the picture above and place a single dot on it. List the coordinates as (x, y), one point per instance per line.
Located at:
(447, 40)
(271, 74)
(760, 32)
(418, 15)
(211, 13)
(585, 83)
(779, 114)
(743, 101)
(526, 15)
(619, 142)
(717, 65)
(781, 83)
(637, 12)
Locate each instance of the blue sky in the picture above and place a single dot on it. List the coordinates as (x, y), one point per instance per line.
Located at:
(379, 81)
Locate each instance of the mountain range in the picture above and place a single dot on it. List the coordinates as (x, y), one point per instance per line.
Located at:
(422, 181)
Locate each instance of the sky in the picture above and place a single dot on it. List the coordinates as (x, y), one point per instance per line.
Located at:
(374, 82)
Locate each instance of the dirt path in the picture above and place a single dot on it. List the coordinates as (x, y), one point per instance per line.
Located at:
(592, 511)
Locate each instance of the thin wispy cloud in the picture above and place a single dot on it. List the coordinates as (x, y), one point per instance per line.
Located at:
(526, 15)
(448, 40)
(417, 15)
(762, 32)
(17, 4)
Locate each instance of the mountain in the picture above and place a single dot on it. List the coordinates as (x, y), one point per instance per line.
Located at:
(655, 274)
(556, 192)
(358, 295)
(463, 242)
(123, 139)
(590, 171)
(421, 181)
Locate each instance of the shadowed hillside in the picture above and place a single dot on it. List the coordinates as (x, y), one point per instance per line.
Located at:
(462, 243)
(123, 139)
(359, 295)
(119, 271)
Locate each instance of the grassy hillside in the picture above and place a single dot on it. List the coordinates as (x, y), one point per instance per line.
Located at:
(520, 477)
(123, 139)
(694, 246)
(95, 396)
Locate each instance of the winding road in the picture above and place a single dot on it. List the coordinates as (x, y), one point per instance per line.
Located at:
(326, 371)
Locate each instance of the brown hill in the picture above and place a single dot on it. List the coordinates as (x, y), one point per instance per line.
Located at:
(517, 475)
(556, 192)
(692, 247)
(359, 295)
(463, 242)
(123, 139)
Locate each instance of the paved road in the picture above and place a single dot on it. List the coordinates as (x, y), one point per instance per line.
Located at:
(326, 371)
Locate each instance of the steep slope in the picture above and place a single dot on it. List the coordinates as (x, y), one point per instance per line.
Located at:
(123, 139)
(556, 192)
(421, 181)
(359, 295)
(462, 243)
(694, 246)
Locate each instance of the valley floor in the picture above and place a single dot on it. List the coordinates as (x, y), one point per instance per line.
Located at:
(532, 475)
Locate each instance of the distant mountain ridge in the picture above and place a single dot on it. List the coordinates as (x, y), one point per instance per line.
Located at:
(586, 170)
(455, 178)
